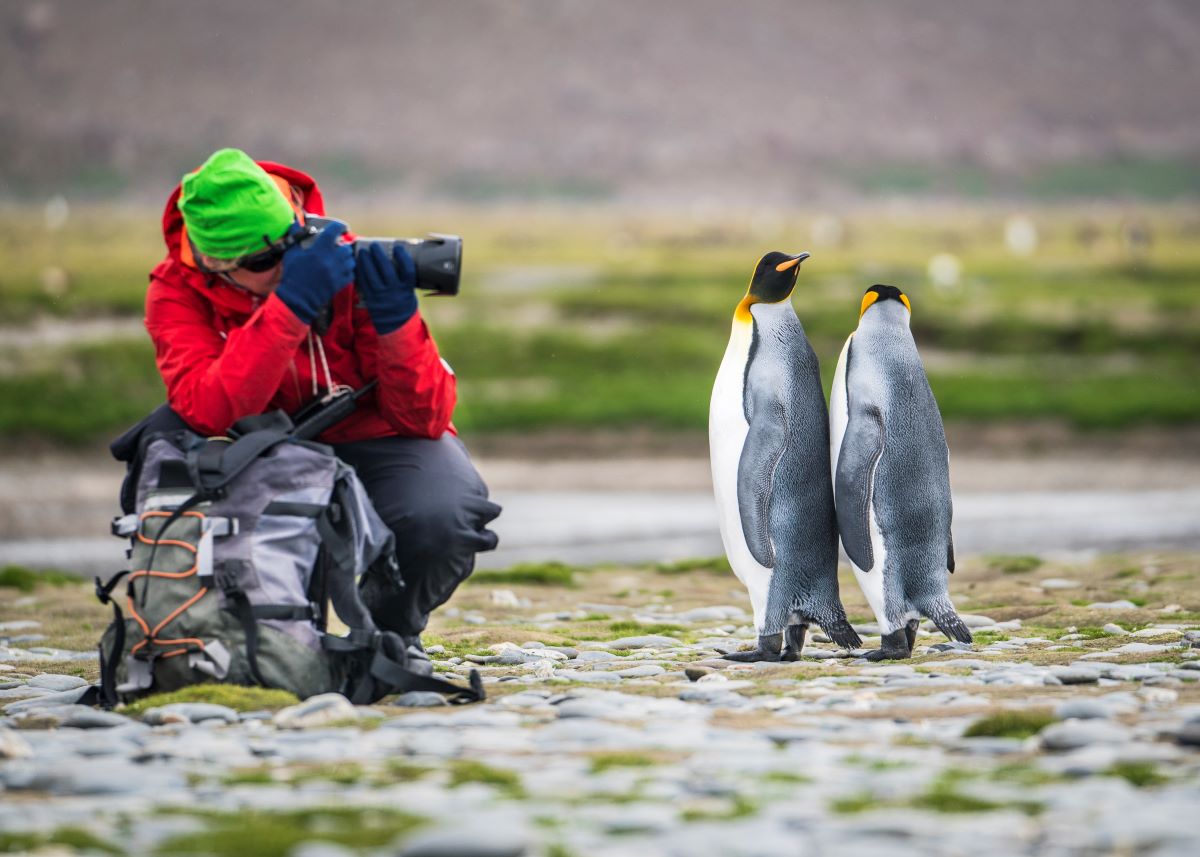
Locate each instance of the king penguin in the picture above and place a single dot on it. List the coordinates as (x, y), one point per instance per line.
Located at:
(768, 438)
(891, 476)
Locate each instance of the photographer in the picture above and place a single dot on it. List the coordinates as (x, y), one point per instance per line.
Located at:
(250, 313)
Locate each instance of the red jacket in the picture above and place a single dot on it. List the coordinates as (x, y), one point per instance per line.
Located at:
(225, 353)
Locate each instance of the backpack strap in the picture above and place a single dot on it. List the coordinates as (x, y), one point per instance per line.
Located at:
(107, 693)
(214, 465)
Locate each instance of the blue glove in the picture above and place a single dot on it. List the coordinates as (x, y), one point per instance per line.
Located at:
(315, 270)
(387, 283)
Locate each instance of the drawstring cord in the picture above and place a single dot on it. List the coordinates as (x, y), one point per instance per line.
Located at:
(331, 389)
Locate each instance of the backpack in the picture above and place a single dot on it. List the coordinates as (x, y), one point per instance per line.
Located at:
(237, 546)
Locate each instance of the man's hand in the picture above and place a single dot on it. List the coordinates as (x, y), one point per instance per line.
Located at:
(387, 284)
(315, 271)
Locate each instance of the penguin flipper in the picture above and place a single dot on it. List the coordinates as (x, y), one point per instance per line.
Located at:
(853, 483)
(764, 446)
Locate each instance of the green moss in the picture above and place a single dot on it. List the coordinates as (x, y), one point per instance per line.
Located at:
(985, 637)
(249, 777)
(1010, 724)
(26, 580)
(1127, 572)
(229, 695)
(73, 837)
(854, 803)
(617, 759)
(531, 574)
(714, 565)
(787, 777)
(629, 626)
(275, 834)
(1024, 775)
(508, 783)
(1012, 564)
(739, 807)
(1140, 774)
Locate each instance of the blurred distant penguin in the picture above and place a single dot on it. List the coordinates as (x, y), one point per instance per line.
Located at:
(768, 443)
(891, 476)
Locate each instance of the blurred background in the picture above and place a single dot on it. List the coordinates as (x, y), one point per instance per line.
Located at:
(1028, 173)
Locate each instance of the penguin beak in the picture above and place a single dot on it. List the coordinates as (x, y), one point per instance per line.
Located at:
(791, 263)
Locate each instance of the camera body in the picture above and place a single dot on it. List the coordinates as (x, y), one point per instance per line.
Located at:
(437, 257)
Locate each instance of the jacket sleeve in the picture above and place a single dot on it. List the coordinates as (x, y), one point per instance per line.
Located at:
(213, 380)
(417, 389)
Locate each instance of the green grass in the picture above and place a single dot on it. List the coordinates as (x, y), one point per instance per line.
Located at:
(507, 783)
(73, 837)
(275, 833)
(1139, 774)
(629, 626)
(1010, 724)
(713, 564)
(535, 574)
(24, 579)
(1010, 564)
(1093, 333)
(229, 695)
(601, 762)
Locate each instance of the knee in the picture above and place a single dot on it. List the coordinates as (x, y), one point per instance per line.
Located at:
(446, 528)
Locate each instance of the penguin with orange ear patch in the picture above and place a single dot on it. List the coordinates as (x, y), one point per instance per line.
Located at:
(891, 476)
(769, 448)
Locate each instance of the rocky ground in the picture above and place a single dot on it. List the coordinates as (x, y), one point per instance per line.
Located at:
(614, 727)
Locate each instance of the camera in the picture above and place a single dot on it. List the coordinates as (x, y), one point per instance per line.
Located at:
(437, 257)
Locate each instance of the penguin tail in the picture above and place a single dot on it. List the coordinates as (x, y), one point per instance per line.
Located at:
(840, 632)
(943, 614)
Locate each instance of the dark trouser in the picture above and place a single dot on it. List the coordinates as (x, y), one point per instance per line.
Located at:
(430, 495)
(427, 492)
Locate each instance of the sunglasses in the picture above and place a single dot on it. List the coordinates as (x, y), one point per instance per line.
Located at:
(255, 263)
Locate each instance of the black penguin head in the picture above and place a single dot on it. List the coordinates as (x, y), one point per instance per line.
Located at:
(878, 293)
(773, 280)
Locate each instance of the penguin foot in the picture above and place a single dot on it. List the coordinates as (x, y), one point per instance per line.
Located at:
(910, 633)
(895, 647)
(793, 642)
(769, 649)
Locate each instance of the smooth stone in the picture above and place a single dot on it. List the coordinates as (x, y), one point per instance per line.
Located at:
(468, 840)
(19, 625)
(66, 697)
(56, 682)
(1113, 605)
(190, 712)
(1173, 633)
(991, 746)
(321, 849)
(1072, 735)
(1083, 709)
(95, 718)
(647, 641)
(975, 620)
(1076, 675)
(13, 746)
(1114, 629)
(1189, 733)
(709, 614)
(20, 691)
(1190, 665)
(594, 657)
(1059, 583)
(644, 671)
(420, 699)
(316, 711)
(696, 673)
(951, 646)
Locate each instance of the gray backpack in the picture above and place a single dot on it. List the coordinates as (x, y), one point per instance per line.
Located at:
(238, 544)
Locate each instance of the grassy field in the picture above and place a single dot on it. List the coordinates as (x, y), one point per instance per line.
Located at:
(580, 319)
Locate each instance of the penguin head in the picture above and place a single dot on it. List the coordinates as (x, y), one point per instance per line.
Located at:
(878, 293)
(773, 281)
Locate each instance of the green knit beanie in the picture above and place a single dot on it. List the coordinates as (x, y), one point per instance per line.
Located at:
(230, 204)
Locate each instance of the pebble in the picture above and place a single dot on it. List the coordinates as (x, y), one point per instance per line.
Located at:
(93, 718)
(13, 746)
(697, 673)
(52, 681)
(316, 711)
(1113, 605)
(420, 699)
(1083, 709)
(1073, 734)
(471, 840)
(189, 712)
(1059, 583)
(594, 657)
(1076, 674)
(1114, 629)
(648, 641)
(645, 671)
(19, 625)
(65, 697)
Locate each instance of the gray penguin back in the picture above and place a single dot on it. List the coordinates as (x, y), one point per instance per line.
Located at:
(911, 488)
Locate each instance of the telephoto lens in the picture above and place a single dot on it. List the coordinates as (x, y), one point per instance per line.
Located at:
(437, 257)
